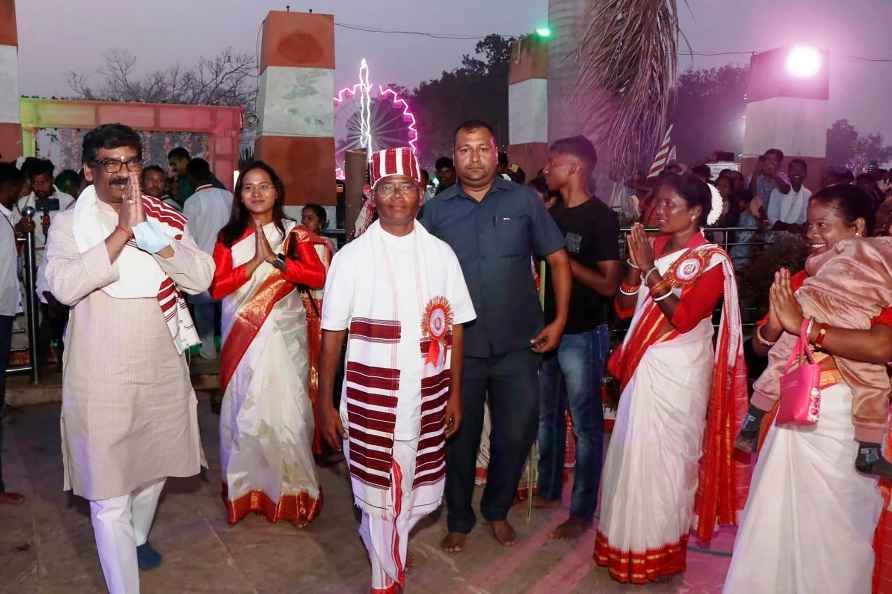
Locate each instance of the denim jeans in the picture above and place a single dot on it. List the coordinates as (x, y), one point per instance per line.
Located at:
(571, 377)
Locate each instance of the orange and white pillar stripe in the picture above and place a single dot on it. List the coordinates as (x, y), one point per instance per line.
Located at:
(10, 129)
(528, 104)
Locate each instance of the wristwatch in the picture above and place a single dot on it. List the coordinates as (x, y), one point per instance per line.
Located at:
(279, 261)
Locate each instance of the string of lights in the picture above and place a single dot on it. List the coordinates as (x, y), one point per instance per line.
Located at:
(462, 37)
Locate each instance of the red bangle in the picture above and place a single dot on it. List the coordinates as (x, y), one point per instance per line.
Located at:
(627, 289)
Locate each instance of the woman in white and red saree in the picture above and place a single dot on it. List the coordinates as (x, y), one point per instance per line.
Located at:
(314, 219)
(810, 524)
(266, 419)
(670, 460)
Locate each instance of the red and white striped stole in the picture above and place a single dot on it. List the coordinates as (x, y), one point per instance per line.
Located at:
(173, 306)
(371, 393)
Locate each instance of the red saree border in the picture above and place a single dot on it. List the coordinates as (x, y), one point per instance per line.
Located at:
(299, 509)
(630, 567)
(251, 316)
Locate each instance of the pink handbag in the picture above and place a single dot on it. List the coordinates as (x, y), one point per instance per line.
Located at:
(800, 392)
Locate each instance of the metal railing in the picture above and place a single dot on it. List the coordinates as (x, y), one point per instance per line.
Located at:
(718, 235)
(29, 270)
(722, 236)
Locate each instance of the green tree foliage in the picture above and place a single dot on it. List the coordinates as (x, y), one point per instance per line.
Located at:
(846, 147)
(708, 112)
(478, 89)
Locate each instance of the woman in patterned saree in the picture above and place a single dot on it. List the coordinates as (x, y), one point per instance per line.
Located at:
(670, 456)
(266, 419)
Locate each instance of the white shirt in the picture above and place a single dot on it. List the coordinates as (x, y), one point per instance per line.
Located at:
(790, 208)
(208, 211)
(65, 202)
(337, 313)
(9, 280)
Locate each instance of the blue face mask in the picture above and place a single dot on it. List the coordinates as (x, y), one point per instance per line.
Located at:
(150, 236)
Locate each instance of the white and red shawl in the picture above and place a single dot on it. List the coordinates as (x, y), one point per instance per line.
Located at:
(139, 275)
(372, 380)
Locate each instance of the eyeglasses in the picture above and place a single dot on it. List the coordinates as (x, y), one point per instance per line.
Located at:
(115, 165)
(388, 189)
(263, 188)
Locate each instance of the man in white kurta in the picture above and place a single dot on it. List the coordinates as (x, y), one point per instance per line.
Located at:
(129, 419)
(11, 180)
(401, 294)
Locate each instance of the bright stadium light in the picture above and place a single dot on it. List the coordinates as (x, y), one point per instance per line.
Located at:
(803, 61)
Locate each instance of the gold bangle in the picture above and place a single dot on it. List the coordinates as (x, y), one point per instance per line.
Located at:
(762, 339)
(665, 295)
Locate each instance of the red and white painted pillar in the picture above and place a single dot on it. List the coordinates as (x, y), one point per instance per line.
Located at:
(10, 129)
(528, 104)
(296, 117)
(787, 108)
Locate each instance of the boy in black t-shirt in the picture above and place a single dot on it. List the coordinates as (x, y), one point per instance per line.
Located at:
(571, 376)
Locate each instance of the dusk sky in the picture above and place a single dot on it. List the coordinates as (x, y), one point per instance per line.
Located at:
(57, 36)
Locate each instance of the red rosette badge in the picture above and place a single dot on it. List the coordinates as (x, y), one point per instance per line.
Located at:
(435, 325)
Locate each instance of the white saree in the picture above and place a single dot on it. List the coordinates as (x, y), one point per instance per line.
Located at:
(266, 419)
(658, 462)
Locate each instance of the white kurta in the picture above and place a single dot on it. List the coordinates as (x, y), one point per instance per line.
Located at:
(128, 408)
(386, 282)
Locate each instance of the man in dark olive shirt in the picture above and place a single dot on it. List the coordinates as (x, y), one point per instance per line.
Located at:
(591, 233)
(495, 228)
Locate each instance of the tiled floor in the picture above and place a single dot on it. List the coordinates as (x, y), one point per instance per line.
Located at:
(46, 545)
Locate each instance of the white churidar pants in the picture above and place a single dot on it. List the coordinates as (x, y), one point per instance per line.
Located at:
(120, 524)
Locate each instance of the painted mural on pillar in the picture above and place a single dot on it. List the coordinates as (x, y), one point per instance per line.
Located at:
(62, 146)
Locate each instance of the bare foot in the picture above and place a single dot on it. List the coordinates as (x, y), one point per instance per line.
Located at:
(454, 542)
(540, 502)
(503, 532)
(572, 529)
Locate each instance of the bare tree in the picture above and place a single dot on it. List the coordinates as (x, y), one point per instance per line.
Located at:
(228, 78)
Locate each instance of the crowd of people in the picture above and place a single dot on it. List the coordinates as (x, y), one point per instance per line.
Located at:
(480, 293)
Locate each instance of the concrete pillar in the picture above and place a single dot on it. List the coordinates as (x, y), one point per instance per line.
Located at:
(295, 133)
(10, 130)
(528, 104)
(787, 113)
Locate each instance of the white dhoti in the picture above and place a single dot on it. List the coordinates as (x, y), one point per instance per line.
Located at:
(809, 522)
(120, 524)
(386, 535)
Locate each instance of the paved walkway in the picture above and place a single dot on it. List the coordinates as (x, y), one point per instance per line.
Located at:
(46, 545)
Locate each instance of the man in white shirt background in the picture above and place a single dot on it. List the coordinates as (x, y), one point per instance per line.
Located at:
(788, 211)
(11, 181)
(208, 210)
(45, 198)
(47, 201)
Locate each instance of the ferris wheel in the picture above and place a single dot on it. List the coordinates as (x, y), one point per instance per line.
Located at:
(372, 118)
